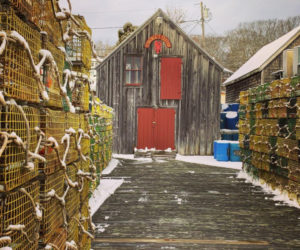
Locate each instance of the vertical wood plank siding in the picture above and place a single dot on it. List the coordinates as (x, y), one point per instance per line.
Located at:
(197, 114)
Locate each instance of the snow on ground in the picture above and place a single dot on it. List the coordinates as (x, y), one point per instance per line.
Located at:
(111, 166)
(106, 188)
(131, 157)
(280, 197)
(210, 161)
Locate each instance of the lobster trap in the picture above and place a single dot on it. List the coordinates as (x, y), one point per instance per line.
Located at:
(48, 23)
(53, 124)
(16, 208)
(23, 8)
(13, 159)
(84, 240)
(81, 95)
(58, 240)
(17, 80)
(288, 148)
(52, 209)
(73, 196)
(73, 229)
(72, 121)
(49, 78)
(79, 48)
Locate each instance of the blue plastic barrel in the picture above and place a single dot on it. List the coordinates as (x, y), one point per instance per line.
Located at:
(222, 120)
(231, 120)
(235, 136)
(226, 137)
(222, 151)
(234, 152)
(234, 107)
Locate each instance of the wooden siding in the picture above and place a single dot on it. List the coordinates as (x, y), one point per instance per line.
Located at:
(197, 114)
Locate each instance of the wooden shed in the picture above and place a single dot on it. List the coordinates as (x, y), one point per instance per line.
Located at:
(164, 88)
(264, 66)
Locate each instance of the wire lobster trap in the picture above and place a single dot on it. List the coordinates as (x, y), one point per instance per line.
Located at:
(81, 96)
(244, 97)
(48, 22)
(72, 121)
(293, 189)
(53, 124)
(294, 172)
(73, 229)
(23, 8)
(16, 208)
(49, 79)
(12, 161)
(295, 86)
(17, 79)
(298, 129)
(58, 240)
(84, 240)
(52, 209)
(79, 48)
(73, 196)
(81, 71)
(288, 148)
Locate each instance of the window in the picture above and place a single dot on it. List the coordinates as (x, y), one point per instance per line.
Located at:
(133, 70)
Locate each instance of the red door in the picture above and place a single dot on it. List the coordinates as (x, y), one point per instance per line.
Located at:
(170, 74)
(156, 128)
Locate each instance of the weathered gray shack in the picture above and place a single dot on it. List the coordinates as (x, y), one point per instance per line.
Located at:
(164, 88)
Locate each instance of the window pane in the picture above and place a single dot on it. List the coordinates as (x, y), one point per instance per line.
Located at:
(128, 61)
(128, 76)
(137, 63)
(134, 74)
(139, 80)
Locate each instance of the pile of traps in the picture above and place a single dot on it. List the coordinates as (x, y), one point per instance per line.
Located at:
(55, 135)
(269, 136)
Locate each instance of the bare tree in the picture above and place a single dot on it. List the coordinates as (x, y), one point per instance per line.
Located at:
(177, 15)
(103, 49)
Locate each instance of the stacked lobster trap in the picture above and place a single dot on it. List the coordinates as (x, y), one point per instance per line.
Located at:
(269, 130)
(47, 170)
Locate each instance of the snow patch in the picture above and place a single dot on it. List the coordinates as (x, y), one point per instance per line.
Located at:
(111, 166)
(106, 217)
(106, 188)
(231, 114)
(100, 228)
(210, 161)
(278, 195)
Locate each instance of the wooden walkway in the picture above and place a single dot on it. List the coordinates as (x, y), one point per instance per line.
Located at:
(176, 205)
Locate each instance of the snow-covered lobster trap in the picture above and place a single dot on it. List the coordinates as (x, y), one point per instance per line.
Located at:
(18, 126)
(47, 171)
(20, 215)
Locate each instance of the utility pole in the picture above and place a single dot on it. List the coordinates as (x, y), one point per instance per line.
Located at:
(202, 24)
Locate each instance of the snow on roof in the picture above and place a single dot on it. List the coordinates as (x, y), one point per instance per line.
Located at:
(262, 56)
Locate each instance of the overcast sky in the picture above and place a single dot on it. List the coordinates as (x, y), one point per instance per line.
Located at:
(226, 14)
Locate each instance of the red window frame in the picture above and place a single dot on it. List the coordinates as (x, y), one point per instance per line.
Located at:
(132, 57)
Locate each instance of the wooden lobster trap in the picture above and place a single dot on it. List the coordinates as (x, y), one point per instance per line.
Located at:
(298, 129)
(294, 171)
(17, 79)
(53, 124)
(73, 196)
(13, 159)
(271, 127)
(295, 86)
(16, 208)
(52, 208)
